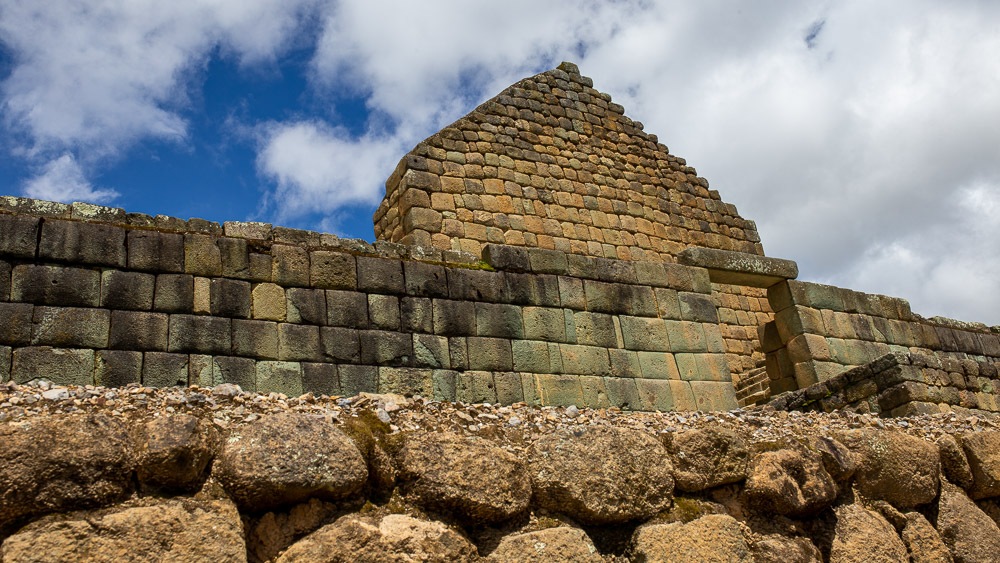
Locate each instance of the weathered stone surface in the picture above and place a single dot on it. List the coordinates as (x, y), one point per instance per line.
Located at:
(790, 481)
(155, 251)
(88, 465)
(174, 293)
(465, 476)
(895, 467)
(138, 331)
(601, 475)
(18, 235)
(69, 366)
(715, 538)
(707, 458)
(396, 538)
(285, 458)
(178, 529)
(923, 541)
(127, 290)
(551, 545)
(273, 532)
(863, 536)
(56, 285)
(88, 243)
(175, 451)
(776, 548)
(739, 268)
(982, 450)
(954, 464)
(969, 533)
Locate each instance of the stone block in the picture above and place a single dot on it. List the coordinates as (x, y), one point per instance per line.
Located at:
(5, 272)
(174, 293)
(454, 318)
(163, 369)
(70, 327)
(385, 348)
(425, 280)
(18, 236)
(5, 356)
(657, 365)
(203, 296)
(255, 339)
(490, 354)
(475, 387)
(498, 320)
(805, 347)
(280, 377)
(247, 230)
(239, 371)
(714, 342)
(202, 256)
(584, 360)
(230, 298)
(416, 314)
(595, 329)
(739, 268)
(199, 335)
(572, 294)
(78, 242)
(289, 265)
(458, 351)
(332, 270)
(624, 363)
(667, 303)
(235, 256)
(347, 308)
(703, 367)
(533, 289)
(698, 307)
(546, 324)
(155, 251)
(383, 312)
(261, 267)
(665, 395)
(299, 343)
(770, 341)
(268, 302)
(406, 381)
(15, 329)
(530, 356)
(547, 261)
(508, 387)
(556, 390)
(320, 379)
(58, 365)
(476, 285)
(137, 330)
(380, 275)
(430, 351)
(201, 370)
(714, 396)
(308, 306)
(357, 379)
(117, 368)
(686, 336)
(595, 395)
(444, 382)
(640, 333)
(797, 320)
(56, 285)
(127, 290)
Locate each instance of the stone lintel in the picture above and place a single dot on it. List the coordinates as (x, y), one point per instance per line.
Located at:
(739, 268)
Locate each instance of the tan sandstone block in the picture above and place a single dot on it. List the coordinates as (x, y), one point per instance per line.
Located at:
(268, 302)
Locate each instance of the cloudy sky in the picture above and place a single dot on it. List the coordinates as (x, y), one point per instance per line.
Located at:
(862, 136)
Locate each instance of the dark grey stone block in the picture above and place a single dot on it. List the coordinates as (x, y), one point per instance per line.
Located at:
(698, 307)
(117, 368)
(425, 280)
(533, 289)
(240, 371)
(162, 369)
(18, 236)
(380, 275)
(235, 257)
(341, 345)
(70, 327)
(59, 365)
(458, 351)
(383, 312)
(454, 318)
(255, 339)
(299, 343)
(230, 298)
(357, 379)
(306, 306)
(135, 330)
(199, 335)
(15, 328)
(490, 354)
(5, 271)
(507, 258)
(500, 320)
(332, 270)
(416, 314)
(5, 355)
(56, 285)
(385, 348)
(174, 293)
(127, 290)
(347, 308)
(202, 256)
(476, 285)
(89, 243)
(320, 379)
(155, 251)
(430, 351)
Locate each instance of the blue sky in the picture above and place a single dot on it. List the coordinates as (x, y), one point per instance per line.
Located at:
(860, 136)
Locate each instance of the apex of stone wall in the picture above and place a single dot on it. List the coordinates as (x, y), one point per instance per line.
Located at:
(552, 163)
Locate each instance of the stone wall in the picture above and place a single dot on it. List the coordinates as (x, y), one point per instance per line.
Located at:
(820, 331)
(94, 295)
(317, 480)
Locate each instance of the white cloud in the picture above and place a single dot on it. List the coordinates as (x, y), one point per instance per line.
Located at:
(63, 180)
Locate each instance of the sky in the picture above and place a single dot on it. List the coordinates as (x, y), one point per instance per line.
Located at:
(863, 137)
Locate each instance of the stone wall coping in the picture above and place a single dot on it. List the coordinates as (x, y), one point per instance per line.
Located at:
(740, 268)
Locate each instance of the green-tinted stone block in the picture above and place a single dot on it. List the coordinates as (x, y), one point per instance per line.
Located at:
(279, 377)
(658, 365)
